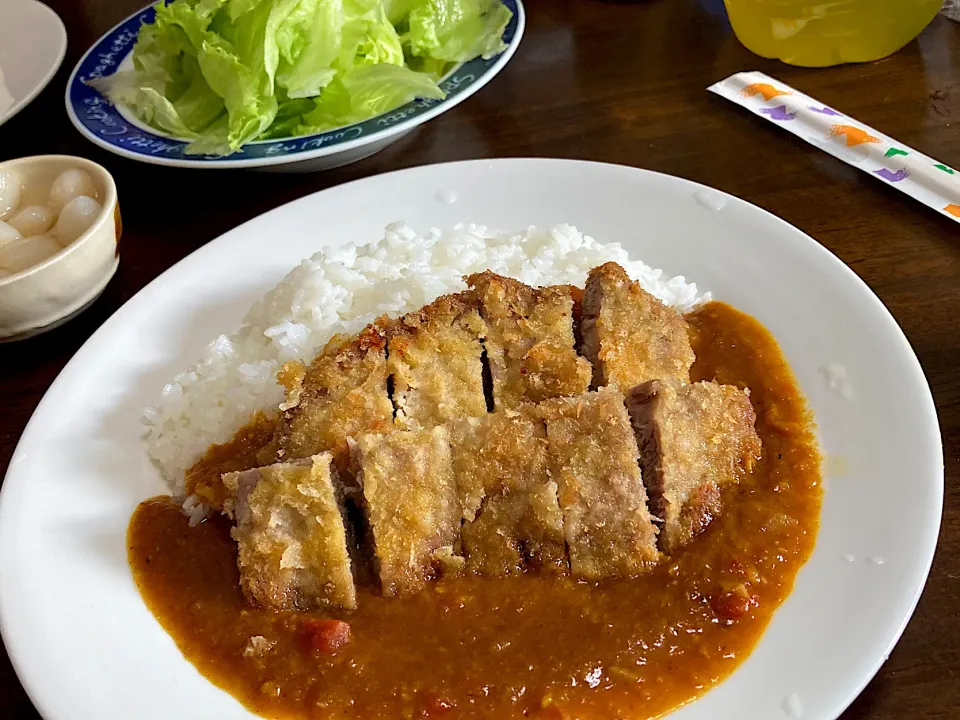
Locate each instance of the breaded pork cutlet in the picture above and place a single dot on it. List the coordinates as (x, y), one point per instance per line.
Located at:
(629, 335)
(593, 458)
(434, 359)
(694, 439)
(530, 343)
(251, 446)
(290, 532)
(512, 517)
(411, 505)
(343, 393)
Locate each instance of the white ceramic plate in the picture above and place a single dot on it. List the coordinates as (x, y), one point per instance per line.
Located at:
(32, 44)
(86, 647)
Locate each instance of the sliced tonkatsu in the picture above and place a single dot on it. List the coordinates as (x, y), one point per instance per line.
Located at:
(434, 359)
(342, 394)
(411, 505)
(530, 341)
(629, 336)
(694, 439)
(293, 544)
(391, 464)
(252, 446)
(512, 519)
(593, 458)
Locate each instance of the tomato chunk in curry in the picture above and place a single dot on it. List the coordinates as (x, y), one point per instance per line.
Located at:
(525, 647)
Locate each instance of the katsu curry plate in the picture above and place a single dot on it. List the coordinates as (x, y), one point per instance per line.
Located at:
(480, 473)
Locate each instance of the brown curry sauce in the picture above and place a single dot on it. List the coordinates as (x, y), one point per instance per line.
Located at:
(525, 647)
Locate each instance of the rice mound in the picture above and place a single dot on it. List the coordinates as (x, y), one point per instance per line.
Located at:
(342, 289)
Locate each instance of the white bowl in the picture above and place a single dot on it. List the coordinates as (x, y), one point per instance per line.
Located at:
(50, 293)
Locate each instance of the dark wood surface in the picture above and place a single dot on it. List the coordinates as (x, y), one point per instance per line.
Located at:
(624, 83)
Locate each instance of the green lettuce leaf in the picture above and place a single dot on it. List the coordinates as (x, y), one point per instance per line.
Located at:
(198, 106)
(306, 69)
(184, 24)
(431, 67)
(364, 92)
(194, 110)
(457, 30)
(242, 71)
(250, 109)
(293, 32)
(397, 10)
(289, 117)
(368, 36)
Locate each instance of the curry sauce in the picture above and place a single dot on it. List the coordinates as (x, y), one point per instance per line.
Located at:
(525, 647)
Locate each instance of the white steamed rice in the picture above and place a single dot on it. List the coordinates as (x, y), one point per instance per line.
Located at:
(340, 290)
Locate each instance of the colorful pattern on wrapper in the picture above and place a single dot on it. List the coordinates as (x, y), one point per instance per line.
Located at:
(779, 113)
(913, 173)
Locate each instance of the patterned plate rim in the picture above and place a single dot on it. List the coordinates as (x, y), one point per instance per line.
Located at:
(102, 123)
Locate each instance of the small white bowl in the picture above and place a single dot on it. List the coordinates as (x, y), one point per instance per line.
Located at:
(49, 293)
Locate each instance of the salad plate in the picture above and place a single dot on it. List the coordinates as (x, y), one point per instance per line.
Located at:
(119, 131)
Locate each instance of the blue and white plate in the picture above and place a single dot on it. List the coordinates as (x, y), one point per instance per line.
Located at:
(117, 130)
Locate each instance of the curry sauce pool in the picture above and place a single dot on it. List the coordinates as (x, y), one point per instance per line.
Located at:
(532, 646)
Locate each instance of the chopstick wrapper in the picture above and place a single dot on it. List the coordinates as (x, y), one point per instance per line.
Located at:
(923, 178)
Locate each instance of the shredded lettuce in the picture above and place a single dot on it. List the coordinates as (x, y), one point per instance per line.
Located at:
(221, 73)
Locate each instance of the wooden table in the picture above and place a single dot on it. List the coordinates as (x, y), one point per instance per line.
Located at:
(620, 83)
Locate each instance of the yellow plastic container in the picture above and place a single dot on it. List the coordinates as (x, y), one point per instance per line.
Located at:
(828, 32)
